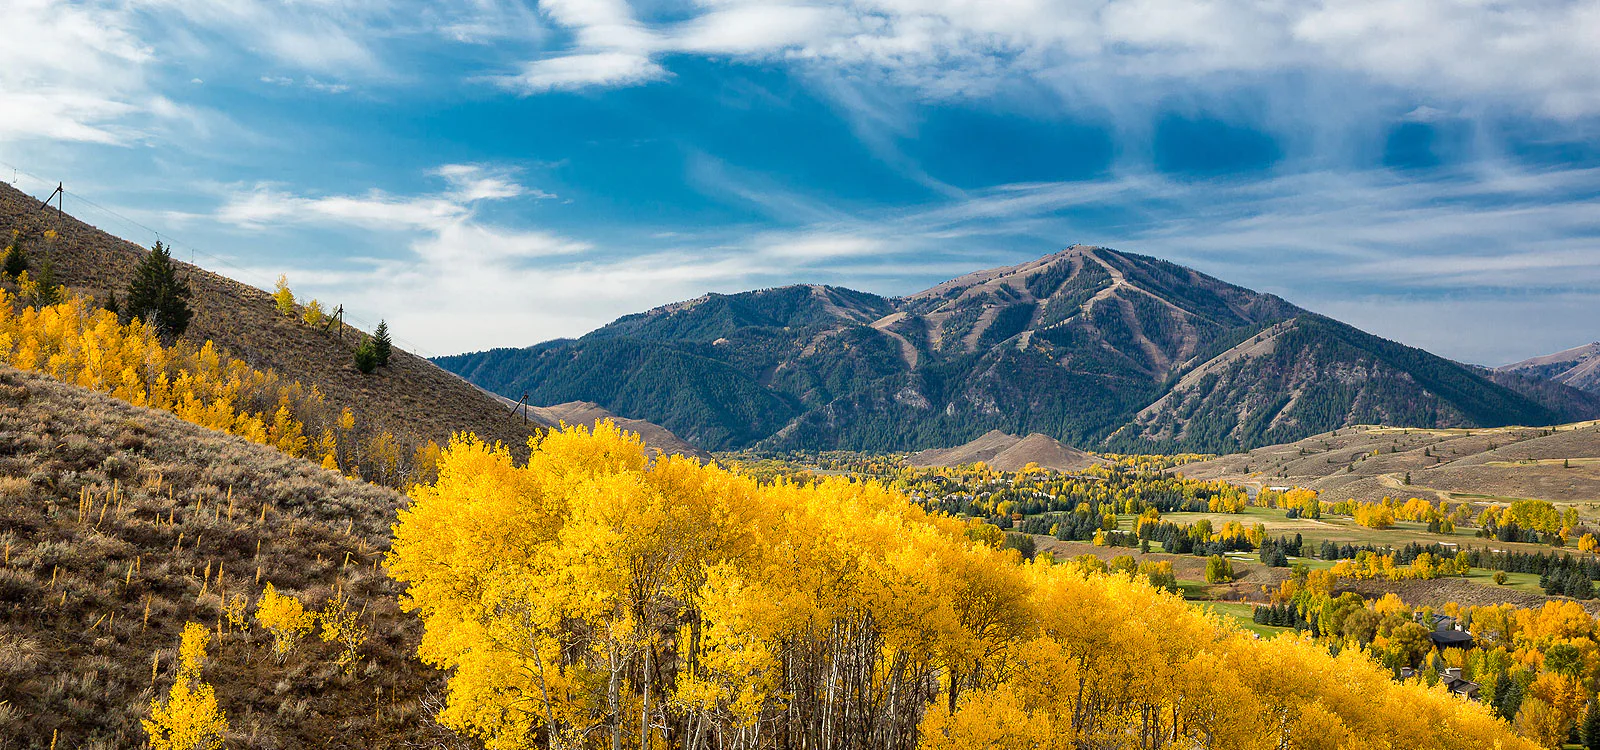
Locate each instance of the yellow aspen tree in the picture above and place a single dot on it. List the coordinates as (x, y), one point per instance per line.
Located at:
(285, 618)
(595, 595)
(314, 314)
(340, 626)
(282, 296)
(187, 718)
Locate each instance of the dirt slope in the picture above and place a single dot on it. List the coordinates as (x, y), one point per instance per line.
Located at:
(1578, 367)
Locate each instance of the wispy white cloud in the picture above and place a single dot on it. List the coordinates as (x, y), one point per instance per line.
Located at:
(1539, 54)
(579, 70)
(71, 73)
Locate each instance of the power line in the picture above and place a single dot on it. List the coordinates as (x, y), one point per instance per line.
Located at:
(240, 274)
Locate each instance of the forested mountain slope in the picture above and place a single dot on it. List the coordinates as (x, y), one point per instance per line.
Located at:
(1090, 346)
(411, 397)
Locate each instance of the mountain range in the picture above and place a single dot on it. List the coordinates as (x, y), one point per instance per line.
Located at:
(1578, 367)
(1091, 346)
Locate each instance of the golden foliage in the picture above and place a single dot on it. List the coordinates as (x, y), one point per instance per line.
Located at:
(79, 344)
(314, 314)
(285, 618)
(188, 717)
(283, 297)
(1373, 515)
(592, 595)
(343, 627)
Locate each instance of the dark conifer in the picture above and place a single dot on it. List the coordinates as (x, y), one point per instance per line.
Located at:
(381, 343)
(157, 296)
(366, 356)
(1590, 729)
(50, 293)
(16, 258)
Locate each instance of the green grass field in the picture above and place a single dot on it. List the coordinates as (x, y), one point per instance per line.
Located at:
(1242, 613)
(1520, 581)
(1195, 591)
(1339, 529)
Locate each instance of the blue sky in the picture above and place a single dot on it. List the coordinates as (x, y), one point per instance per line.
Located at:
(496, 173)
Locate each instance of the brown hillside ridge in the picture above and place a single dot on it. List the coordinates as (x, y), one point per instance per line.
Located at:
(1045, 452)
(411, 397)
(1560, 464)
(587, 413)
(1008, 453)
(1578, 367)
(984, 448)
(94, 593)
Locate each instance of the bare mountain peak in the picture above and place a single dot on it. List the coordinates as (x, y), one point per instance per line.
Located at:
(1086, 344)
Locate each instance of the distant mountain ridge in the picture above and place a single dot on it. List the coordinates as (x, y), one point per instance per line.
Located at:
(1089, 346)
(1578, 367)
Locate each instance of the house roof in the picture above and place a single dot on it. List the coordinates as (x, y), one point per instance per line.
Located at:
(1451, 637)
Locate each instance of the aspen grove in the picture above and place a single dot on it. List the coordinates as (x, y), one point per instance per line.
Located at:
(596, 598)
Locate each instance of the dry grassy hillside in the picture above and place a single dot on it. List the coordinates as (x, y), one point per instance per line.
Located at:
(411, 398)
(588, 413)
(1008, 453)
(1560, 464)
(983, 448)
(92, 593)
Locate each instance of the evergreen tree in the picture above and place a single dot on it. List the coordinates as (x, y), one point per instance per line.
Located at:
(110, 304)
(1590, 730)
(157, 296)
(1509, 698)
(16, 258)
(50, 293)
(381, 343)
(366, 356)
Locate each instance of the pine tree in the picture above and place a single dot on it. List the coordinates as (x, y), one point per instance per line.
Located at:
(381, 344)
(366, 356)
(16, 258)
(110, 305)
(1590, 731)
(157, 296)
(50, 293)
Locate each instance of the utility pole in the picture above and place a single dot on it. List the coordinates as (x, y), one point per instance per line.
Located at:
(59, 196)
